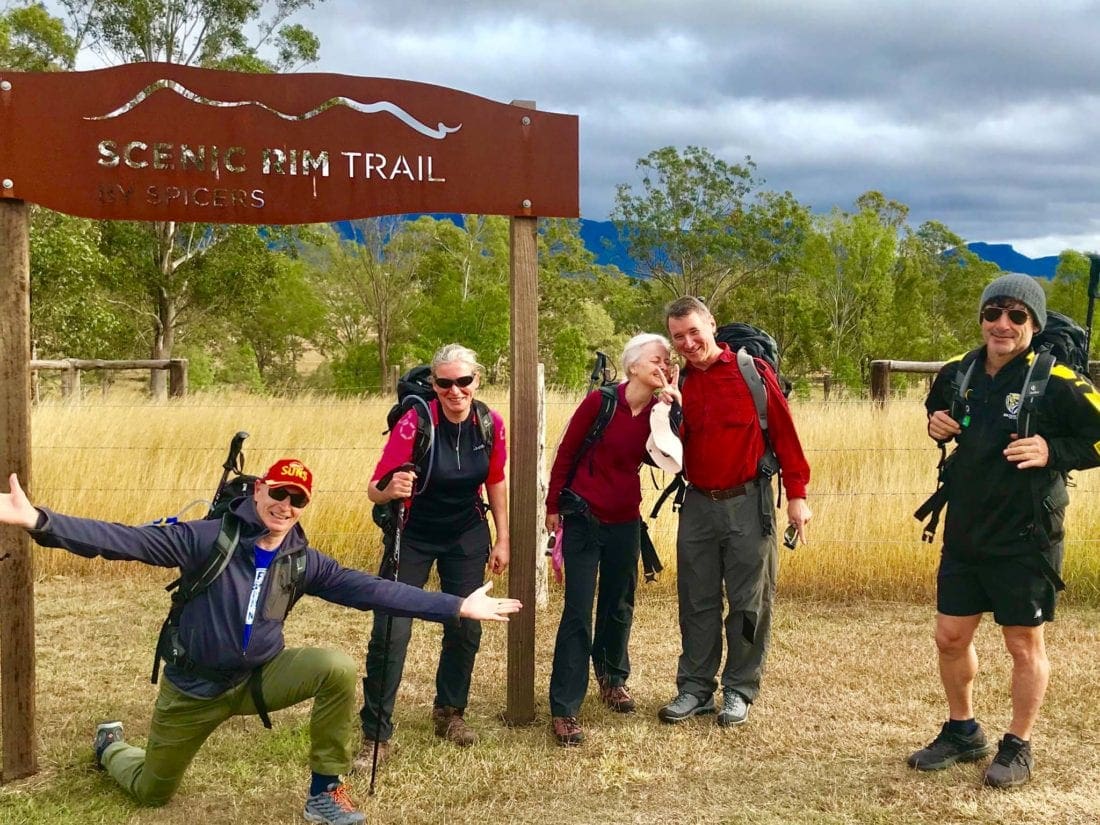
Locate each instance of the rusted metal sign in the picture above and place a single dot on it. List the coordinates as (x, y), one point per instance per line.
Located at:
(156, 141)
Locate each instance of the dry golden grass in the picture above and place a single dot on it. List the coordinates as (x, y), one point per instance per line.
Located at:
(133, 462)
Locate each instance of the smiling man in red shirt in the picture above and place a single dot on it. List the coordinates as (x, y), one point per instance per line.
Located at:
(727, 531)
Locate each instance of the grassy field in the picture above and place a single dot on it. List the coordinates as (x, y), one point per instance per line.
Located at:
(851, 686)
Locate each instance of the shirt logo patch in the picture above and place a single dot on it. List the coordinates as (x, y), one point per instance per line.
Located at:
(1012, 403)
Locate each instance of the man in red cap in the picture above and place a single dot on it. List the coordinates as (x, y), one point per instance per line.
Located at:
(227, 656)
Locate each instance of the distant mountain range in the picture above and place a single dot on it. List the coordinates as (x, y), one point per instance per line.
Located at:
(602, 239)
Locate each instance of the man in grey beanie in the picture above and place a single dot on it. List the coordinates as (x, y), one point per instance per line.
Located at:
(1005, 492)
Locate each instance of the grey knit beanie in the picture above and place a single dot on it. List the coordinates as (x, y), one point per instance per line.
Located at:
(1022, 288)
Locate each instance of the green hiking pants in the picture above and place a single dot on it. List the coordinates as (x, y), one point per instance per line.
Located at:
(181, 723)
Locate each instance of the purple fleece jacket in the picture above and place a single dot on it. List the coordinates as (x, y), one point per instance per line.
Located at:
(211, 624)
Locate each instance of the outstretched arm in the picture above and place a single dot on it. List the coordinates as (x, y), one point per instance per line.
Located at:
(481, 606)
(15, 507)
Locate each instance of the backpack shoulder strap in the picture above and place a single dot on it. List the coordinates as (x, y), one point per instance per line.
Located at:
(960, 384)
(609, 401)
(756, 386)
(190, 585)
(1035, 385)
(485, 424)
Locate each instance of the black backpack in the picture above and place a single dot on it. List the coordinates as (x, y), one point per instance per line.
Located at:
(189, 585)
(757, 343)
(1066, 340)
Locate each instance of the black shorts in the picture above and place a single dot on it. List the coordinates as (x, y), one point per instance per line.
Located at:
(1013, 588)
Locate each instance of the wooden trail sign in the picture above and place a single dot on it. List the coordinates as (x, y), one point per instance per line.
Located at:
(157, 141)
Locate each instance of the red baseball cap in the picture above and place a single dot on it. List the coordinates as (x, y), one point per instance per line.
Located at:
(289, 472)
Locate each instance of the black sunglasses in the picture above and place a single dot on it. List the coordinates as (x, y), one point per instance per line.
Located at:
(1017, 316)
(298, 500)
(447, 383)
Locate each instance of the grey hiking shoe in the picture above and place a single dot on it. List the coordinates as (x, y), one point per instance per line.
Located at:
(735, 709)
(1012, 765)
(948, 748)
(332, 807)
(364, 760)
(684, 706)
(106, 733)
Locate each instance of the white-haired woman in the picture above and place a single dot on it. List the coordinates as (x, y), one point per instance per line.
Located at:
(445, 525)
(595, 494)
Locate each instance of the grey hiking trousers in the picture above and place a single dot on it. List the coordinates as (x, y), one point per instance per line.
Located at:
(721, 546)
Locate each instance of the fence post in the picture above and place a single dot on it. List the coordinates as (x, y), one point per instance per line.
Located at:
(70, 382)
(177, 378)
(880, 382)
(826, 384)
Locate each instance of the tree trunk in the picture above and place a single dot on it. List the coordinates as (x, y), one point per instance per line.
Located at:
(164, 333)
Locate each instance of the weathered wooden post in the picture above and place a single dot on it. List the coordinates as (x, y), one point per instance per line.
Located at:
(523, 459)
(880, 382)
(17, 680)
(177, 378)
(542, 584)
(70, 382)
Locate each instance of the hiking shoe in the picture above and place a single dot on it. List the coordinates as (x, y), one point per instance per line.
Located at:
(684, 706)
(949, 748)
(332, 807)
(617, 697)
(1012, 765)
(364, 760)
(106, 733)
(567, 730)
(735, 709)
(450, 725)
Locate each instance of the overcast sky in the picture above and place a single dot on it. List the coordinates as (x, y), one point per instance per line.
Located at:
(984, 115)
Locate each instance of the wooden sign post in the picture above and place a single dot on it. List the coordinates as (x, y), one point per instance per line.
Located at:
(163, 142)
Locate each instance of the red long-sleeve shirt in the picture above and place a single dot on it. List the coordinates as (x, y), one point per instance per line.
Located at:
(607, 475)
(721, 432)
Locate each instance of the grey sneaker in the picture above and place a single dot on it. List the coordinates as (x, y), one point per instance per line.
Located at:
(364, 760)
(684, 706)
(949, 748)
(106, 733)
(332, 807)
(1012, 765)
(735, 709)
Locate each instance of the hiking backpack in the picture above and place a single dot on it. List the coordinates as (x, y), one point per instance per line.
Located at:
(189, 585)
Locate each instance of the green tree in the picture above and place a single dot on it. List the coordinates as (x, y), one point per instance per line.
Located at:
(370, 295)
(208, 33)
(33, 40)
(682, 227)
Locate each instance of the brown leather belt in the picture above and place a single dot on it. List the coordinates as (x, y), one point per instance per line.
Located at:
(722, 495)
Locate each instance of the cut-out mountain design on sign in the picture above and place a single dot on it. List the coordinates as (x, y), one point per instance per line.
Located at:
(440, 131)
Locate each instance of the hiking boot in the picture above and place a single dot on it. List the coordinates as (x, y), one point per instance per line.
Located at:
(450, 725)
(735, 709)
(949, 748)
(617, 697)
(1012, 765)
(684, 706)
(106, 733)
(332, 807)
(364, 760)
(567, 730)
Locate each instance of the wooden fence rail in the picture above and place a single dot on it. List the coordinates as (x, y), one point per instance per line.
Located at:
(881, 371)
(72, 367)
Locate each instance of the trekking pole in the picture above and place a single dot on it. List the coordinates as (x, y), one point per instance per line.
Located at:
(1094, 282)
(399, 507)
(233, 463)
